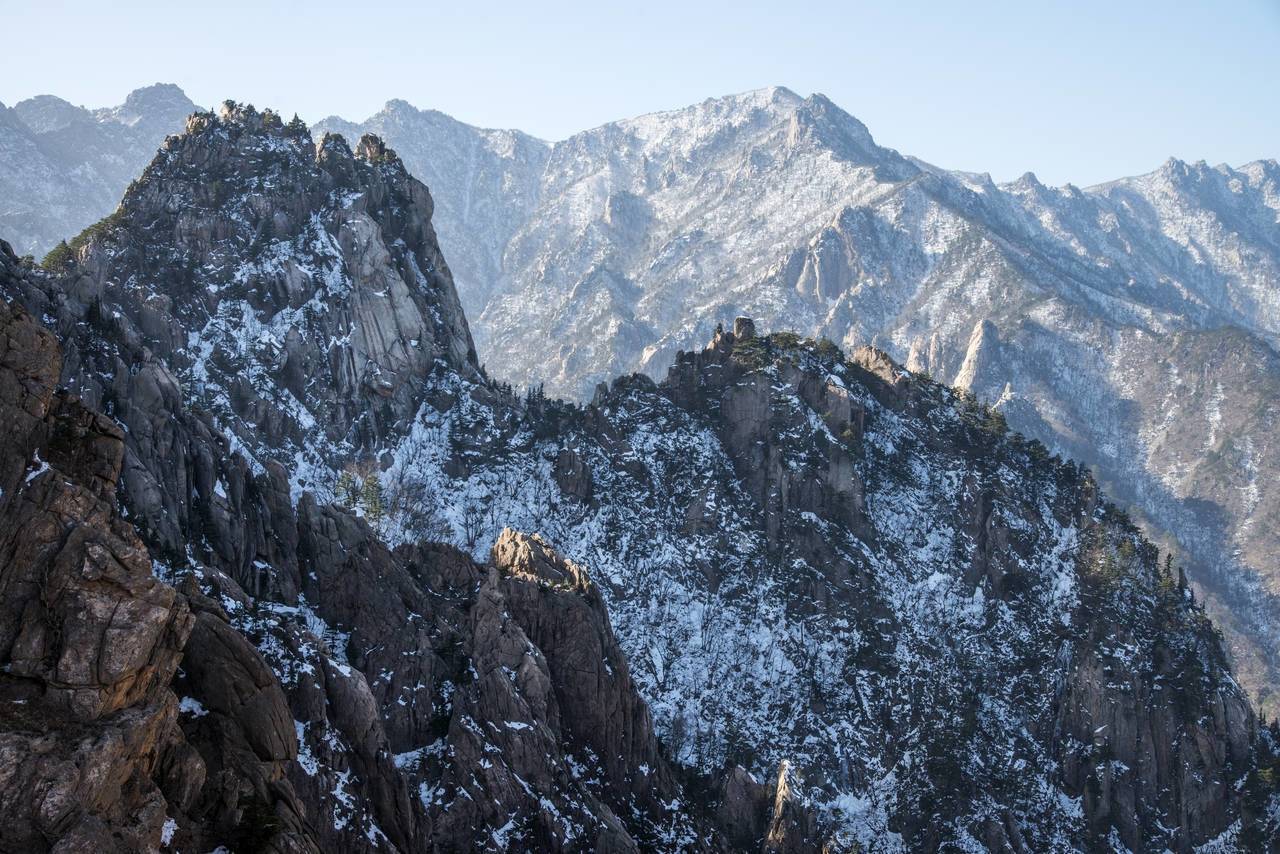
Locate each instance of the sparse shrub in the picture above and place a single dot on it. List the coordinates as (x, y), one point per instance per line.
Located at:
(62, 255)
(359, 488)
(296, 127)
(58, 258)
(752, 353)
(785, 340)
(994, 422)
(828, 349)
(371, 500)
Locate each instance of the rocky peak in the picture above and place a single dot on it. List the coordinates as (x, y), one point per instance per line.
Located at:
(63, 167)
(533, 559)
(374, 150)
(150, 102)
(291, 283)
(844, 135)
(149, 113)
(46, 113)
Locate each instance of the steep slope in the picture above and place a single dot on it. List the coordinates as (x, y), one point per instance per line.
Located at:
(823, 571)
(337, 695)
(490, 179)
(63, 167)
(383, 701)
(89, 640)
(1082, 314)
(839, 565)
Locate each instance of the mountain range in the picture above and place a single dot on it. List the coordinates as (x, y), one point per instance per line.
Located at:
(63, 167)
(789, 596)
(1131, 326)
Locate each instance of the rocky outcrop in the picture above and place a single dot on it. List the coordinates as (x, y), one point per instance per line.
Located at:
(793, 828)
(89, 639)
(1131, 326)
(594, 702)
(500, 691)
(259, 226)
(1137, 675)
(816, 563)
(317, 309)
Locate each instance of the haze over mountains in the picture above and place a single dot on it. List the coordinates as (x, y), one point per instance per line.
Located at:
(1131, 326)
(262, 589)
(63, 167)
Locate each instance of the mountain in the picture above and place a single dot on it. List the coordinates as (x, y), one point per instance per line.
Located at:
(305, 688)
(1131, 326)
(491, 176)
(64, 167)
(785, 599)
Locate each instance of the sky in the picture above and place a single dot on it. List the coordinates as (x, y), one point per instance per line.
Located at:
(1078, 92)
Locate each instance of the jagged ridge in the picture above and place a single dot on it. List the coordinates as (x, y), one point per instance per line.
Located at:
(804, 555)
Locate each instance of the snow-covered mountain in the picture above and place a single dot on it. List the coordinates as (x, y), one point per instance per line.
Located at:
(780, 563)
(64, 167)
(1131, 325)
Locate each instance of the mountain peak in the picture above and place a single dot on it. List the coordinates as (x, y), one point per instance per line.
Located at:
(157, 95)
(150, 108)
(47, 113)
(399, 105)
(781, 95)
(243, 221)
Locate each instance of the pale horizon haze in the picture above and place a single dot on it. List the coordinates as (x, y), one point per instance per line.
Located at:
(1081, 93)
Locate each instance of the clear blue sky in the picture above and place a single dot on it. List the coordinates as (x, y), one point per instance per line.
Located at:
(1074, 91)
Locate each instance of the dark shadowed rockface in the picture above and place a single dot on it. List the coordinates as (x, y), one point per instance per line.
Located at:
(470, 707)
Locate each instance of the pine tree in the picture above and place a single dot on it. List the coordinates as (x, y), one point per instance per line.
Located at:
(371, 499)
(348, 489)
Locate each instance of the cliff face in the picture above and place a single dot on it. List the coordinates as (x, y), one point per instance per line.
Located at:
(88, 638)
(395, 701)
(780, 564)
(258, 293)
(243, 218)
(1130, 326)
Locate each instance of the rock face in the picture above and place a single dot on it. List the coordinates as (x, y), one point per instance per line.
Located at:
(248, 218)
(429, 715)
(89, 640)
(301, 319)
(1130, 326)
(1087, 316)
(780, 563)
(63, 168)
(490, 178)
(791, 539)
